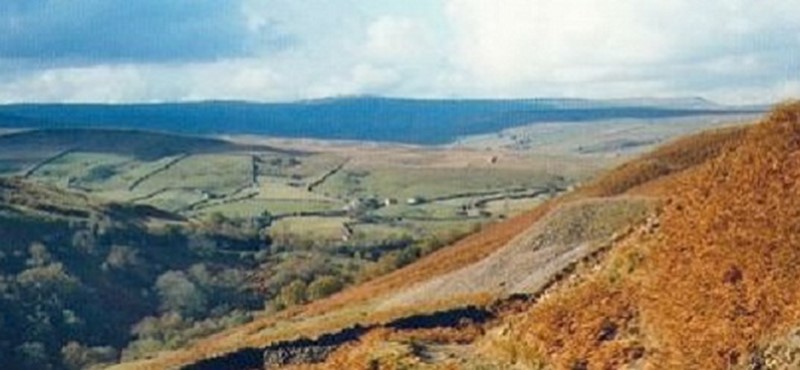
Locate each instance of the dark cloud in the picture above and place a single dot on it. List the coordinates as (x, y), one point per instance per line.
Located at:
(102, 31)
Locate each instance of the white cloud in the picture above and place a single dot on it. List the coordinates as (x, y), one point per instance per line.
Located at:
(607, 47)
(103, 84)
(397, 40)
(227, 79)
(730, 50)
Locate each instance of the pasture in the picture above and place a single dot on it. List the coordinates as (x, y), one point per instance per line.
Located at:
(318, 193)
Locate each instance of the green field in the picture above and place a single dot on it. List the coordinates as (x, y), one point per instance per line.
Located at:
(404, 183)
(286, 189)
(255, 207)
(213, 173)
(310, 194)
(317, 231)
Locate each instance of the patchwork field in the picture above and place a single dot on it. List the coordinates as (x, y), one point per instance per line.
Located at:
(314, 192)
(341, 189)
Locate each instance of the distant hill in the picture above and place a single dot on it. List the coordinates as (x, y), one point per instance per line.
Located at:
(362, 118)
(136, 143)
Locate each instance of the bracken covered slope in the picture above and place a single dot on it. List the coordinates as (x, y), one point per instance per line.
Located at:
(709, 287)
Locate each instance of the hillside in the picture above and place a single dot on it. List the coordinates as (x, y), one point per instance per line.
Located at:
(364, 118)
(713, 284)
(84, 282)
(704, 276)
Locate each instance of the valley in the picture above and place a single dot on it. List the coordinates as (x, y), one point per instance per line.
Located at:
(291, 221)
(399, 185)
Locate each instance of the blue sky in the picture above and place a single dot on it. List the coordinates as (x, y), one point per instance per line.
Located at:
(733, 51)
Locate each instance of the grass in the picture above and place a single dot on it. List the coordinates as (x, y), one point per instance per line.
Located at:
(174, 200)
(97, 172)
(297, 231)
(256, 207)
(16, 159)
(131, 172)
(431, 211)
(404, 183)
(218, 174)
(370, 233)
(512, 207)
(313, 166)
(79, 166)
(305, 167)
(278, 188)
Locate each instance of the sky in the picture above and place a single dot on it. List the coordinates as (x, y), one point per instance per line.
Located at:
(730, 51)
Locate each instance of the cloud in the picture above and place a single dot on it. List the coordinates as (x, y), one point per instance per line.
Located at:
(150, 50)
(609, 47)
(235, 79)
(104, 84)
(101, 31)
(397, 39)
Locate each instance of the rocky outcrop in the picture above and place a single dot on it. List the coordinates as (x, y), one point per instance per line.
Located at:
(308, 351)
(292, 352)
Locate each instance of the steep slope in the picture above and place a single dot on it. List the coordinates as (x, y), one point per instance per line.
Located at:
(706, 289)
(529, 261)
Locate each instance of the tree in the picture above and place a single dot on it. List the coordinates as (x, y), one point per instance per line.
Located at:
(46, 281)
(179, 294)
(76, 356)
(323, 287)
(202, 246)
(33, 356)
(121, 257)
(39, 256)
(292, 294)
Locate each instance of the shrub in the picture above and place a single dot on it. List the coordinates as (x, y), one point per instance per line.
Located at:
(121, 257)
(292, 294)
(76, 356)
(179, 294)
(323, 287)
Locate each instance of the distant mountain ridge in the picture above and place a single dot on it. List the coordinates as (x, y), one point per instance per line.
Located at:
(355, 118)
